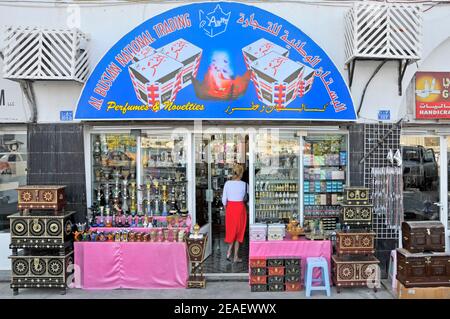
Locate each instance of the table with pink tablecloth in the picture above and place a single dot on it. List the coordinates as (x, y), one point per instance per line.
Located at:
(294, 248)
(138, 265)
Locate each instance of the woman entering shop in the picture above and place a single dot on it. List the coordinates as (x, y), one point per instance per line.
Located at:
(234, 198)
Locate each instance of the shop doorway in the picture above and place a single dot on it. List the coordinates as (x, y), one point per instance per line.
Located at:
(215, 156)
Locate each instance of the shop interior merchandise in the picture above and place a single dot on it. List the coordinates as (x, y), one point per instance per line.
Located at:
(216, 157)
(123, 210)
(278, 177)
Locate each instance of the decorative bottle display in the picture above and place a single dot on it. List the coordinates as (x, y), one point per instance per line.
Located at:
(124, 196)
(148, 198)
(276, 178)
(119, 201)
(164, 200)
(133, 199)
(164, 173)
(324, 178)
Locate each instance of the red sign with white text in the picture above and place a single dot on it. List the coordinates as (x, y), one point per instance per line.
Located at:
(432, 95)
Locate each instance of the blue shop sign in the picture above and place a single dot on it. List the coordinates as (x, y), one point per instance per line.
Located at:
(216, 60)
(384, 115)
(65, 116)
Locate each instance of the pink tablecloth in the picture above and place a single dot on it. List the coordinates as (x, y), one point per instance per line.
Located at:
(299, 248)
(138, 265)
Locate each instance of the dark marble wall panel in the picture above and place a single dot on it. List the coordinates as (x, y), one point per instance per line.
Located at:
(56, 156)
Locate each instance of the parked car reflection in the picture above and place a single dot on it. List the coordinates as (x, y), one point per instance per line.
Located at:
(420, 183)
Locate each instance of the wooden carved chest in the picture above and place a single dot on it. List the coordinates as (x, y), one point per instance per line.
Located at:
(423, 236)
(350, 271)
(41, 197)
(355, 242)
(41, 269)
(356, 215)
(356, 196)
(423, 269)
(41, 230)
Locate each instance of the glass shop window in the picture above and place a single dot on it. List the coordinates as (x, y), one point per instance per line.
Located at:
(13, 173)
(421, 187)
(164, 175)
(114, 165)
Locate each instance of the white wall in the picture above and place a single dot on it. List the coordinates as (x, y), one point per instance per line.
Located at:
(106, 24)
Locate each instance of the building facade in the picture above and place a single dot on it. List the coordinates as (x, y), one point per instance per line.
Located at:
(47, 140)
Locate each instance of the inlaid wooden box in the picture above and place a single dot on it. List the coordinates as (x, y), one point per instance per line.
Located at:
(257, 262)
(292, 278)
(258, 271)
(293, 286)
(275, 280)
(351, 271)
(276, 271)
(258, 279)
(276, 286)
(356, 196)
(41, 230)
(423, 236)
(41, 269)
(293, 270)
(355, 242)
(356, 215)
(41, 197)
(258, 288)
(291, 262)
(423, 269)
(275, 262)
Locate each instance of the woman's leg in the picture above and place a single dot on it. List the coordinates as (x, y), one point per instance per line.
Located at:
(230, 247)
(236, 252)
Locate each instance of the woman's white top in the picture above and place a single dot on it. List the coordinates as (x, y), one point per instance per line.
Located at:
(234, 191)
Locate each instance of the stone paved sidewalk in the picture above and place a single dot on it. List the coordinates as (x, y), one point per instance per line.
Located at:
(214, 290)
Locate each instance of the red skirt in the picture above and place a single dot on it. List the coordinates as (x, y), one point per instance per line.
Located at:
(235, 222)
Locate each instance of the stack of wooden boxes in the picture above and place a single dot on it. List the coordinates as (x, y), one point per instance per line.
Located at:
(354, 263)
(422, 262)
(41, 239)
(275, 274)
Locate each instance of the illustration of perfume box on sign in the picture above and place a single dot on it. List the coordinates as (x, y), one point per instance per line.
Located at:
(186, 53)
(260, 48)
(143, 53)
(156, 78)
(306, 80)
(276, 79)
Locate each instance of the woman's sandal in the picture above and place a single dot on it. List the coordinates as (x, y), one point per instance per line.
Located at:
(229, 257)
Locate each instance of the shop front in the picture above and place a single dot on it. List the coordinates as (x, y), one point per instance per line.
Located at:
(178, 101)
(425, 151)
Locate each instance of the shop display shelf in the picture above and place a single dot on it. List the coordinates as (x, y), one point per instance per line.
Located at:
(320, 165)
(322, 192)
(319, 216)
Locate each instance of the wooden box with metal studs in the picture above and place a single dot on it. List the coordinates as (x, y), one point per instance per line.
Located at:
(31, 197)
(354, 271)
(355, 242)
(356, 196)
(41, 269)
(196, 247)
(428, 269)
(356, 215)
(41, 229)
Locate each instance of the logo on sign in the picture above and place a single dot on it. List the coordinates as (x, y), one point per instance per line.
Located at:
(384, 115)
(215, 22)
(66, 116)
